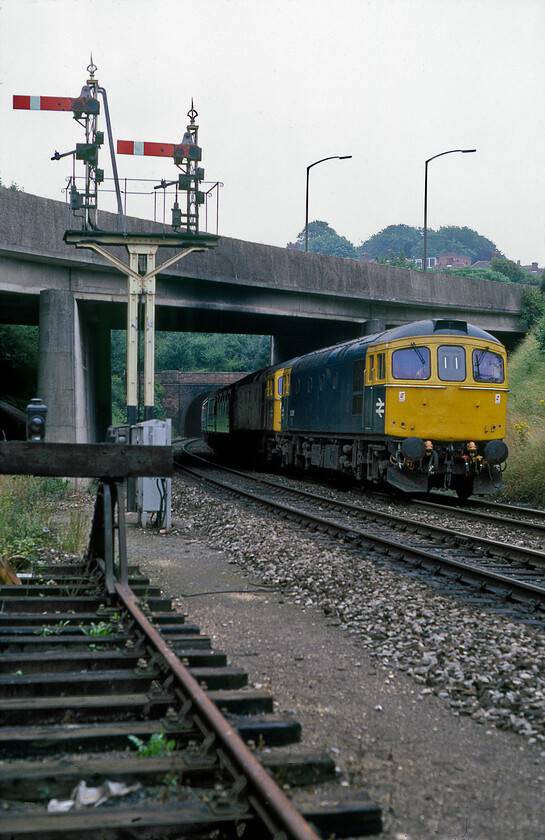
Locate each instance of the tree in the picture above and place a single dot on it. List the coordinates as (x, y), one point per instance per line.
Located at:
(394, 240)
(406, 240)
(322, 239)
(461, 240)
(18, 364)
(13, 186)
(515, 273)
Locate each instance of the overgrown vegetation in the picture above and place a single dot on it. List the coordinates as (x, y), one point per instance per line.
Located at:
(29, 518)
(524, 478)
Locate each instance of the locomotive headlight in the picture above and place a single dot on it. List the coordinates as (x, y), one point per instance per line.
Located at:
(496, 452)
(35, 420)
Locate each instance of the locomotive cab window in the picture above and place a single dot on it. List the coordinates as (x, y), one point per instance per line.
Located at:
(487, 366)
(287, 383)
(371, 370)
(451, 363)
(411, 363)
(381, 366)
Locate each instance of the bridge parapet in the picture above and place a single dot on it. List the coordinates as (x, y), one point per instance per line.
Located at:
(32, 229)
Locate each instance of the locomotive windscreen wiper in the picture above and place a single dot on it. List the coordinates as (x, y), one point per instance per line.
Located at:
(479, 357)
(418, 353)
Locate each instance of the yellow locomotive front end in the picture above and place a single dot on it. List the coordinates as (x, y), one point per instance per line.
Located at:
(445, 413)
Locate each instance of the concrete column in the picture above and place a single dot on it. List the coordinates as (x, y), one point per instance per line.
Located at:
(61, 375)
(97, 367)
(56, 366)
(372, 325)
(74, 379)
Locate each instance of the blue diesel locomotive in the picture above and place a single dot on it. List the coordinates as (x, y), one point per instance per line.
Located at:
(415, 407)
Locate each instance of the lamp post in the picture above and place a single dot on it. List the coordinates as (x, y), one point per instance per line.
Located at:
(316, 162)
(450, 152)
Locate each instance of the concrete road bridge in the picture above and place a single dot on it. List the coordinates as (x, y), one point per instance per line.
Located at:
(304, 301)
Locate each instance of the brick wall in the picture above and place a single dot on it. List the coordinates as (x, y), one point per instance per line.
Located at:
(184, 393)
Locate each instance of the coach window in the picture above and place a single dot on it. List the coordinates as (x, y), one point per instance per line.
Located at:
(335, 381)
(411, 363)
(322, 382)
(451, 363)
(280, 385)
(309, 384)
(487, 366)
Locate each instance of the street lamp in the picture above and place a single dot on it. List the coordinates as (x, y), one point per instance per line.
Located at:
(452, 151)
(333, 157)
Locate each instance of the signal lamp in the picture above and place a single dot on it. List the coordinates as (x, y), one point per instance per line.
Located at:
(36, 413)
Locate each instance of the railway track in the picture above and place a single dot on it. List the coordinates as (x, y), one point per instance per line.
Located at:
(117, 717)
(513, 573)
(86, 677)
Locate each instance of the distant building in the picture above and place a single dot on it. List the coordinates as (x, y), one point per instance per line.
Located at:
(430, 262)
(450, 259)
(532, 269)
(481, 264)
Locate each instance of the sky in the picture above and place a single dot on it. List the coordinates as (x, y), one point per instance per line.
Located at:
(279, 84)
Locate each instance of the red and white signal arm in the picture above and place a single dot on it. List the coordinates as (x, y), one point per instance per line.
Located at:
(78, 104)
(177, 151)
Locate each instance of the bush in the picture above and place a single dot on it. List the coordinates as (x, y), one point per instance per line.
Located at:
(524, 478)
(532, 307)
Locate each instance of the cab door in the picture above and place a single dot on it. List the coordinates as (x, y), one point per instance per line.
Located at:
(374, 396)
(274, 393)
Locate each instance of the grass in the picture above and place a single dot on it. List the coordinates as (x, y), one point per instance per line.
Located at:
(524, 478)
(29, 517)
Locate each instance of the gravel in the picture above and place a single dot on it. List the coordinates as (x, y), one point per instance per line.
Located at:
(397, 656)
(486, 667)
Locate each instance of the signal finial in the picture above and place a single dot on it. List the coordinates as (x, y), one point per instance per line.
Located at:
(192, 113)
(91, 69)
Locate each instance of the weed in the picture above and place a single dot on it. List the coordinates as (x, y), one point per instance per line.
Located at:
(100, 628)
(74, 539)
(51, 631)
(156, 746)
(522, 432)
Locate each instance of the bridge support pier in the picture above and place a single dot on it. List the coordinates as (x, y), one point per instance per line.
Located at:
(73, 370)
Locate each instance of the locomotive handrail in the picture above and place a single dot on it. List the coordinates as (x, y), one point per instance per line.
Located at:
(481, 388)
(423, 384)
